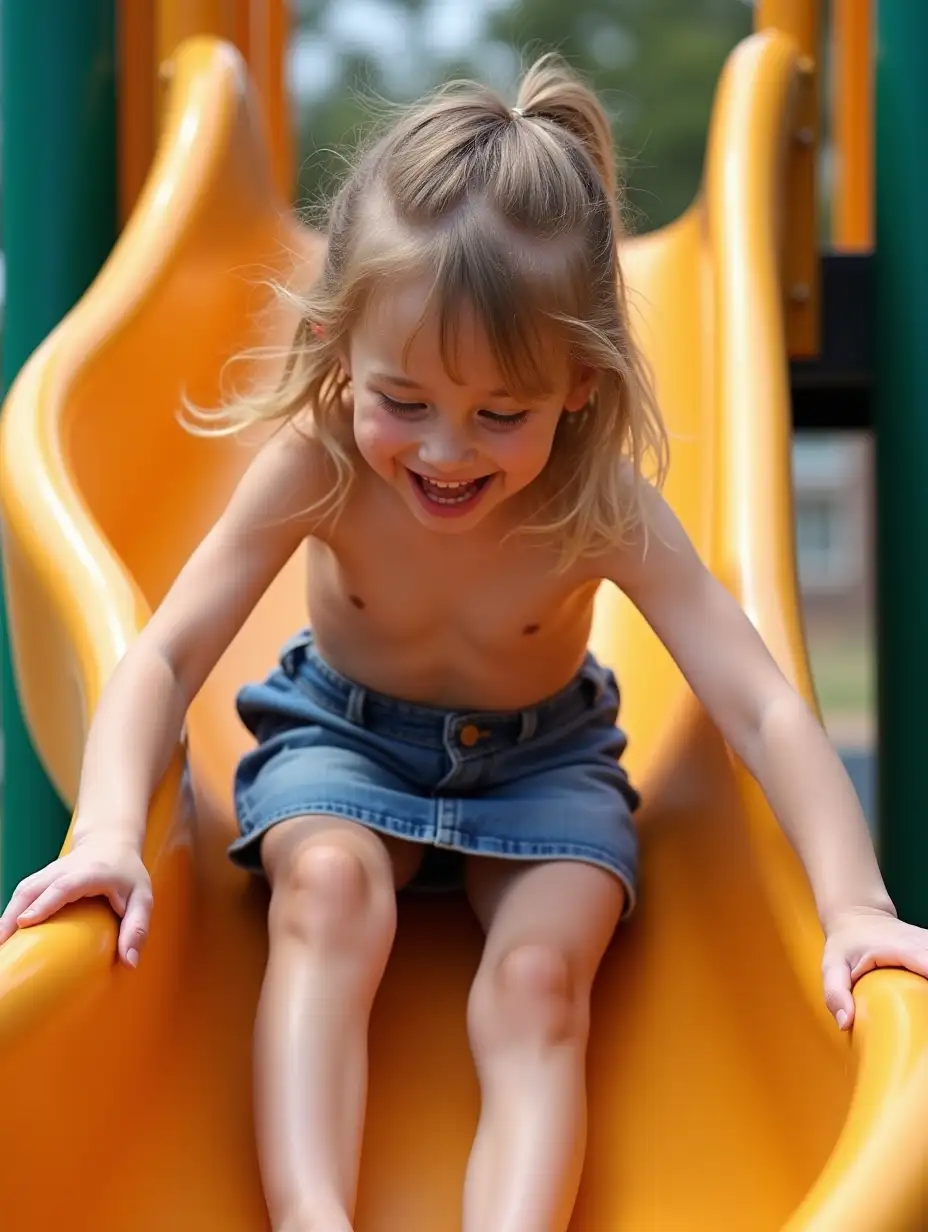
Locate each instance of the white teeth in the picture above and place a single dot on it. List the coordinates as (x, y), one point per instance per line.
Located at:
(453, 492)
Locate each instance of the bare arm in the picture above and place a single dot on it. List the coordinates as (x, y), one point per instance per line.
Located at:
(141, 711)
(761, 716)
(782, 744)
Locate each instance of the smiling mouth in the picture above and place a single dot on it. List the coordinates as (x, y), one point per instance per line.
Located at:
(443, 492)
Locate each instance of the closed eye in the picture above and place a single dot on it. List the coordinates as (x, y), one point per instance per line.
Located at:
(400, 408)
(498, 419)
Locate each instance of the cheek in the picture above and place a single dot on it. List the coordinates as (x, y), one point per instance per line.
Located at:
(525, 451)
(378, 433)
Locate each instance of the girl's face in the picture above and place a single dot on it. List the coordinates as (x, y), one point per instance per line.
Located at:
(453, 452)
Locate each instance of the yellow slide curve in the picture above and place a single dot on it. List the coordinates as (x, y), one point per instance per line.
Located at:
(722, 1097)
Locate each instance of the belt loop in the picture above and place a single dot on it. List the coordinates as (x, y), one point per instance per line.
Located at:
(529, 725)
(288, 661)
(593, 674)
(292, 649)
(354, 712)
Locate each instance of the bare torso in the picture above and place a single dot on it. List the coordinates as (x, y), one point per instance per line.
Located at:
(463, 622)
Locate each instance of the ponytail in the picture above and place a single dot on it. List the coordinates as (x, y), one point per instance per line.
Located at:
(551, 91)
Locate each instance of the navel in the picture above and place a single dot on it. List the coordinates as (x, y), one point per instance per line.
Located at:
(358, 602)
(531, 629)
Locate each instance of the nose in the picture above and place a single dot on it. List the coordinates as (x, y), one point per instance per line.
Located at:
(445, 450)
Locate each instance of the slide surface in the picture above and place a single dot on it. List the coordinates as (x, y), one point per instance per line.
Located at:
(722, 1097)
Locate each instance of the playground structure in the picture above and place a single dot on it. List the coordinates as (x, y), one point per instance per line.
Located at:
(722, 1096)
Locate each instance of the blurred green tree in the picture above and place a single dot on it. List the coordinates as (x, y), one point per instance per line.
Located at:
(654, 63)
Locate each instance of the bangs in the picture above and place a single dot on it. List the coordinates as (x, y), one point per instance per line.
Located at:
(519, 294)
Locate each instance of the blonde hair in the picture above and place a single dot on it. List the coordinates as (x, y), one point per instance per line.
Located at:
(470, 190)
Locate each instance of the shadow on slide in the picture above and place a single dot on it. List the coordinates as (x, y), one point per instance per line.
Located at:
(722, 1096)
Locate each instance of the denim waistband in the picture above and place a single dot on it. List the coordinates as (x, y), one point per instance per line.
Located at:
(433, 725)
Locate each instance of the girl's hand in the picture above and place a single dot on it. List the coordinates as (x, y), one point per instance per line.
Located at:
(860, 940)
(94, 868)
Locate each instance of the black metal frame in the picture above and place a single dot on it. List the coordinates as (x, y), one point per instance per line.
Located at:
(834, 392)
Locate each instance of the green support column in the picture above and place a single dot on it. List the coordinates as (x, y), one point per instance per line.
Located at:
(901, 418)
(59, 223)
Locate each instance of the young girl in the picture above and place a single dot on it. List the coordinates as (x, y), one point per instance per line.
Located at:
(463, 427)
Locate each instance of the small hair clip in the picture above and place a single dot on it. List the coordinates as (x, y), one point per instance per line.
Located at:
(318, 330)
(517, 111)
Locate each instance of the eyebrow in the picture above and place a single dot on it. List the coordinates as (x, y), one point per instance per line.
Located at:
(403, 382)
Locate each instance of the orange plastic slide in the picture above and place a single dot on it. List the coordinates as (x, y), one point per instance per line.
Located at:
(723, 1098)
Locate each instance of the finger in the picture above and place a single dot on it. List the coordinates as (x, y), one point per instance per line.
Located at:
(7, 924)
(8, 920)
(864, 965)
(59, 894)
(134, 928)
(23, 897)
(117, 898)
(836, 976)
(915, 960)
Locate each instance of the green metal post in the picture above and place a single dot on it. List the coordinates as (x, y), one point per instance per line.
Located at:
(59, 223)
(901, 419)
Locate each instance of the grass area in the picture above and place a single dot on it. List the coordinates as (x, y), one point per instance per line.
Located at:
(844, 673)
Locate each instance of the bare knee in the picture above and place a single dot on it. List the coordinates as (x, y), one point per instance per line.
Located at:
(333, 895)
(530, 996)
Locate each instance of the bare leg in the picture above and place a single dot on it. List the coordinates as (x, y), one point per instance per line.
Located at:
(331, 926)
(548, 926)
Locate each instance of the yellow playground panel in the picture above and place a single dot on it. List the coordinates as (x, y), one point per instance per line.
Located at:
(723, 1099)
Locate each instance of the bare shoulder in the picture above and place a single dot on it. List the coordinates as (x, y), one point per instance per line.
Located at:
(287, 480)
(273, 509)
(654, 544)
